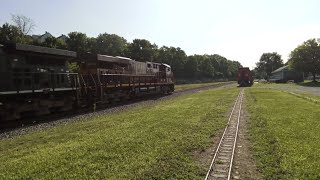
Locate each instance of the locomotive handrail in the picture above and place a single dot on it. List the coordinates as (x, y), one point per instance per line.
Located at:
(40, 73)
(20, 80)
(84, 83)
(95, 84)
(127, 75)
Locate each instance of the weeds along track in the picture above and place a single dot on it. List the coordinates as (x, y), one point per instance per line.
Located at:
(221, 164)
(41, 123)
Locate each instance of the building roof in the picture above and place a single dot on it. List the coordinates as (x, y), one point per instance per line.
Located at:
(62, 36)
(280, 69)
(46, 33)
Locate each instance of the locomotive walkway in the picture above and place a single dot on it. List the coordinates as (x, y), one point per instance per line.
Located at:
(221, 164)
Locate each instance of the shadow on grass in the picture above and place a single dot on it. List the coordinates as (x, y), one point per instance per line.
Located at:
(309, 84)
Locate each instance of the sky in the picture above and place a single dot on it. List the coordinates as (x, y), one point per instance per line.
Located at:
(239, 30)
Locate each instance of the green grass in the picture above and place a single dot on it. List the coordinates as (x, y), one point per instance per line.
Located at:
(273, 84)
(284, 132)
(149, 142)
(306, 96)
(306, 83)
(190, 86)
(294, 92)
(309, 83)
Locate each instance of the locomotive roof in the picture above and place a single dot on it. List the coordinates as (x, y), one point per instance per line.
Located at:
(244, 68)
(117, 59)
(40, 49)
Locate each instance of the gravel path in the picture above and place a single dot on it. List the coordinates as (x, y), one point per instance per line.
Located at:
(46, 125)
(301, 89)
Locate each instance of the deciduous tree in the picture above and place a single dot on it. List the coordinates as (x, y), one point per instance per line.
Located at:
(306, 57)
(53, 42)
(78, 42)
(9, 33)
(143, 50)
(24, 24)
(176, 57)
(111, 44)
(268, 63)
(206, 67)
(191, 67)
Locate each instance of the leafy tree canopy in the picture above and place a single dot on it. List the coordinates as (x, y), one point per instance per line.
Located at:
(111, 44)
(143, 50)
(268, 63)
(306, 57)
(53, 42)
(78, 42)
(10, 33)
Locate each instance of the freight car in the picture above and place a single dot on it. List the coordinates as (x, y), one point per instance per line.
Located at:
(245, 77)
(37, 81)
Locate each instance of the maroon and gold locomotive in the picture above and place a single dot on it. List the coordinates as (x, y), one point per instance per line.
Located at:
(36, 80)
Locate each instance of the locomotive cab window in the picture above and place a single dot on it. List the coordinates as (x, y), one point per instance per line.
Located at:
(149, 65)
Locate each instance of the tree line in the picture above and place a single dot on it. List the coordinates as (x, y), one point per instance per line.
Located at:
(209, 67)
(304, 58)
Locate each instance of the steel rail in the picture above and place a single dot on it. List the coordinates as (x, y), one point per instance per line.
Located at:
(236, 136)
(222, 137)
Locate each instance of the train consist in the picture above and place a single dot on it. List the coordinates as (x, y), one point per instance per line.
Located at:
(245, 77)
(37, 81)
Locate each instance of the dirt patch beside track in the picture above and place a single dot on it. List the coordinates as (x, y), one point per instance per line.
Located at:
(245, 166)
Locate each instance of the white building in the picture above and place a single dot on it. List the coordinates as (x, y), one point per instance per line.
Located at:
(63, 38)
(41, 38)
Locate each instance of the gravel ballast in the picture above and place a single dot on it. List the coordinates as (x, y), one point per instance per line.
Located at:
(8, 134)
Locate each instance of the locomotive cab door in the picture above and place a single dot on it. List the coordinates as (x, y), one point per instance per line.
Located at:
(162, 72)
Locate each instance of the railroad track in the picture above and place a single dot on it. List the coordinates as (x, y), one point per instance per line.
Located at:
(31, 121)
(221, 164)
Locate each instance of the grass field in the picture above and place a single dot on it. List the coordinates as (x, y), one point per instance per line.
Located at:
(190, 86)
(284, 132)
(306, 96)
(294, 89)
(306, 83)
(149, 142)
(309, 83)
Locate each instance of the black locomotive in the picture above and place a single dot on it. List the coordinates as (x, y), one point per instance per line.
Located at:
(36, 80)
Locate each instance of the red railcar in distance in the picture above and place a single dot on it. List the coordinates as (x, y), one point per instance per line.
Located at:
(245, 77)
